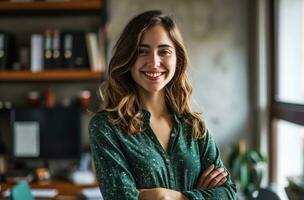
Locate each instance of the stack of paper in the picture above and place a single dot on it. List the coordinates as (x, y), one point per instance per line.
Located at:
(92, 193)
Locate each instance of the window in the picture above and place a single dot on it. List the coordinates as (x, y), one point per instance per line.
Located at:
(290, 142)
(290, 51)
(287, 105)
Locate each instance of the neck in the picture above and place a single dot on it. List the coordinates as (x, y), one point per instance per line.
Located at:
(155, 103)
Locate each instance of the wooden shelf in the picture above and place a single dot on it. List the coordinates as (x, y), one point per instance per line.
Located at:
(51, 5)
(50, 75)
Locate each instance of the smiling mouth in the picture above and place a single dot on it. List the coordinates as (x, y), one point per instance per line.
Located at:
(153, 74)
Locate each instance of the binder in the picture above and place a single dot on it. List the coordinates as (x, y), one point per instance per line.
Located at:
(75, 50)
(47, 52)
(56, 49)
(6, 51)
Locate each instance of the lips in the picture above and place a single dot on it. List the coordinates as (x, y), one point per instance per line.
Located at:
(153, 75)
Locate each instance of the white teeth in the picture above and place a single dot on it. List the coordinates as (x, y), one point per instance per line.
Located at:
(153, 74)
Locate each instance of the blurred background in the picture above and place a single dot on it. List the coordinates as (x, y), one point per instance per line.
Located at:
(246, 69)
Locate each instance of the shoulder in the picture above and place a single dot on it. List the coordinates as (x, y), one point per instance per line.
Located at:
(99, 118)
(208, 144)
(100, 123)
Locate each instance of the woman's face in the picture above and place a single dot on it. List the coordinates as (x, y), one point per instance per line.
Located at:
(156, 62)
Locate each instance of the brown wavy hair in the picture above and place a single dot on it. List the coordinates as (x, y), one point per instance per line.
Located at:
(118, 94)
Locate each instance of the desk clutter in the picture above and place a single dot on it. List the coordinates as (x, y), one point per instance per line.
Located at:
(70, 180)
(51, 190)
(22, 188)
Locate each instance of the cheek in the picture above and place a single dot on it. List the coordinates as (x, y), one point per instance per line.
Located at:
(171, 66)
(133, 73)
(134, 69)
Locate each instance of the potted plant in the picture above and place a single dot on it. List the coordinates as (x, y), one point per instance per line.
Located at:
(246, 167)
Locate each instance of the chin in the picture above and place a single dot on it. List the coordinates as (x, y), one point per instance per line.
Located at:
(153, 89)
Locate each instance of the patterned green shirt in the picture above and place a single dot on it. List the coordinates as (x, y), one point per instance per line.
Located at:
(124, 163)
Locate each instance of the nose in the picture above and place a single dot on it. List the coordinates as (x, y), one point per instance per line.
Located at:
(153, 60)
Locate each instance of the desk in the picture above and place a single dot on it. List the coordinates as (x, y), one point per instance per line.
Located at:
(66, 189)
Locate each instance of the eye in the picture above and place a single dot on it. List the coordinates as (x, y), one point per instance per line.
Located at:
(143, 52)
(165, 52)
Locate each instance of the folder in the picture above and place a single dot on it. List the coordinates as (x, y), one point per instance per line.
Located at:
(75, 50)
(6, 51)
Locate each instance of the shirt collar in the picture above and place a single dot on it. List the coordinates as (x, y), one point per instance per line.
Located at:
(147, 116)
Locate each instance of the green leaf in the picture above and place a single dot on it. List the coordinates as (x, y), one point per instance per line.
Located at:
(244, 175)
(255, 157)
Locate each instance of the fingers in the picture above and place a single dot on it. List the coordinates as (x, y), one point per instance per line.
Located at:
(212, 177)
(204, 175)
(218, 180)
(222, 181)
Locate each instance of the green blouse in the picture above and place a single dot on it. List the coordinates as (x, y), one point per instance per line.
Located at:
(124, 164)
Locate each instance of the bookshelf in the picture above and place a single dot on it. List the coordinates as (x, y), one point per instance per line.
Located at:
(39, 16)
(65, 85)
(92, 5)
(50, 75)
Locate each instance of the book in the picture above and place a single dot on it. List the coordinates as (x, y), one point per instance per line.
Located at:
(36, 52)
(102, 48)
(93, 51)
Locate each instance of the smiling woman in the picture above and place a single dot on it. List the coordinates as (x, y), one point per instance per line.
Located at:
(146, 141)
(156, 62)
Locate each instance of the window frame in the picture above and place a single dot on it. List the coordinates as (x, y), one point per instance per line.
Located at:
(279, 110)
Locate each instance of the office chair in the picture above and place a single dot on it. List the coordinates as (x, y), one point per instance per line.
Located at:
(21, 191)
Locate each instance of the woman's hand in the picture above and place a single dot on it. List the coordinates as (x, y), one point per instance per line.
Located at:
(212, 177)
(160, 194)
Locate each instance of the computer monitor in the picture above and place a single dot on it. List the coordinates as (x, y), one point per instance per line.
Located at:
(46, 133)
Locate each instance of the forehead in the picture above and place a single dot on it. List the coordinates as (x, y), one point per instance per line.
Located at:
(156, 35)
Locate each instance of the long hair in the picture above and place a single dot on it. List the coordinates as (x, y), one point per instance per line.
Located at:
(118, 94)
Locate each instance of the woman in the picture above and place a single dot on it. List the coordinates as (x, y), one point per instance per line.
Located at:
(146, 141)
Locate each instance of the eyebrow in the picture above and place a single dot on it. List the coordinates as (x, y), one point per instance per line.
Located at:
(159, 46)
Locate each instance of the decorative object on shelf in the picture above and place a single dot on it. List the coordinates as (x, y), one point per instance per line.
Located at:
(43, 174)
(246, 167)
(33, 98)
(84, 98)
(50, 98)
